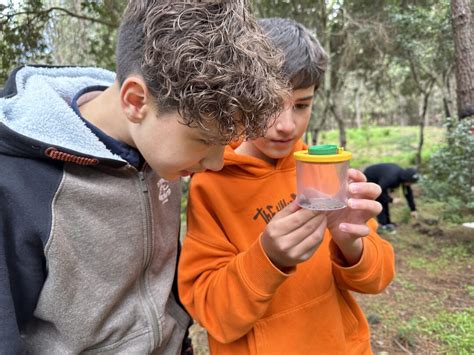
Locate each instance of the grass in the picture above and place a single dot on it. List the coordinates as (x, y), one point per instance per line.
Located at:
(446, 258)
(455, 330)
(470, 290)
(370, 145)
(429, 307)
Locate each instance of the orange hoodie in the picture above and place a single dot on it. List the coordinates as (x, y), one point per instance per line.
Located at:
(248, 306)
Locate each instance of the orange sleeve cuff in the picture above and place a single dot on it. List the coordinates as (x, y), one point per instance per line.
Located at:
(259, 273)
(363, 267)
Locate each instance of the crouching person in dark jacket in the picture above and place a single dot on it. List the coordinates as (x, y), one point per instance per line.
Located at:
(390, 176)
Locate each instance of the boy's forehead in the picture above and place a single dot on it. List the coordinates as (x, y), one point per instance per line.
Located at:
(214, 136)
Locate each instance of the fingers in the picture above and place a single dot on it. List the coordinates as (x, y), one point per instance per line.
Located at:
(288, 249)
(289, 219)
(355, 230)
(367, 190)
(309, 245)
(288, 210)
(373, 208)
(305, 232)
(356, 175)
(360, 188)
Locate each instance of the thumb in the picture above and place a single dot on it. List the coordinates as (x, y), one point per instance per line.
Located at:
(290, 209)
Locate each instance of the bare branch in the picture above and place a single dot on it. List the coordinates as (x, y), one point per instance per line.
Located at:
(67, 12)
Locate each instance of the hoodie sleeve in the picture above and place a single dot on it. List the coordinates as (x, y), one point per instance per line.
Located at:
(25, 225)
(408, 193)
(375, 269)
(217, 284)
(22, 273)
(10, 341)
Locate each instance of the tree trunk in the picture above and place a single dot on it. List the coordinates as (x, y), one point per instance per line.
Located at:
(447, 111)
(461, 13)
(357, 109)
(446, 92)
(401, 110)
(423, 110)
(336, 108)
(318, 128)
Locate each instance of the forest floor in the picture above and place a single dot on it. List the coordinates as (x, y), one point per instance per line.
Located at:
(429, 306)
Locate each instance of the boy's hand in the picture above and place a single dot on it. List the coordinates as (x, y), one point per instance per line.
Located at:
(293, 235)
(349, 225)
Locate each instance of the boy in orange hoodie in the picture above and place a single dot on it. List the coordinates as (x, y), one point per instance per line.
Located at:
(262, 275)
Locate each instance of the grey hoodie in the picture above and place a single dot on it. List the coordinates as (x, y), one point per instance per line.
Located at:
(88, 243)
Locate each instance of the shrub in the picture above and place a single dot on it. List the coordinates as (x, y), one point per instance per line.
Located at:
(450, 175)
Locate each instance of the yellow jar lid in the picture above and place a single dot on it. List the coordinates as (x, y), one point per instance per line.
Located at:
(319, 154)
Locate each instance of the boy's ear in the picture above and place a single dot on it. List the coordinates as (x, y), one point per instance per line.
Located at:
(134, 98)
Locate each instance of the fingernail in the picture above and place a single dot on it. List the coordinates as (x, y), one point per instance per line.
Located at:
(343, 227)
(352, 203)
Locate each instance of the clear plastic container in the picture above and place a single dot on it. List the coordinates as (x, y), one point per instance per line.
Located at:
(321, 177)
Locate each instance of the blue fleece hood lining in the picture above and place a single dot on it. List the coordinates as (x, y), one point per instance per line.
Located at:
(41, 108)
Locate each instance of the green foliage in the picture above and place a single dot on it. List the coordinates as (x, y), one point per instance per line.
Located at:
(454, 329)
(445, 258)
(405, 216)
(450, 171)
(470, 290)
(370, 144)
(418, 30)
(370, 44)
(21, 35)
(407, 332)
(66, 32)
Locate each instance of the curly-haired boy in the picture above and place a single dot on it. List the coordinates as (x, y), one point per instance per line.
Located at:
(90, 197)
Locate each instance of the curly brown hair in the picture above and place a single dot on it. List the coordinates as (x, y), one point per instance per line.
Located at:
(209, 60)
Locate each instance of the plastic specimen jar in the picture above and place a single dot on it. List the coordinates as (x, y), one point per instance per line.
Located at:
(321, 177)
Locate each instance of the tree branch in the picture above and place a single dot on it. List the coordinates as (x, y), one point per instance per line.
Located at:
(67, 12)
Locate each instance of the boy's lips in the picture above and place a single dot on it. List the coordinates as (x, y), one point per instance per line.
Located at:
(281, 141)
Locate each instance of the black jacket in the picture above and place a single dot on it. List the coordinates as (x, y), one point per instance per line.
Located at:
(390, 176)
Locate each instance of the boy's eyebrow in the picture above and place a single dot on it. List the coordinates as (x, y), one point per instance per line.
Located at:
(305, 98)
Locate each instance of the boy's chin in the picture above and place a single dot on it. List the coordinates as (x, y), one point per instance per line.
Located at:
(279, 154)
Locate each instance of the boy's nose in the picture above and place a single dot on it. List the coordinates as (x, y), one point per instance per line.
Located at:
(285, 122)
(215, 159)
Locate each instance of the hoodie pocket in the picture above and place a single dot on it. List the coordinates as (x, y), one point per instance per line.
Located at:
(315, 327)
(349, 319)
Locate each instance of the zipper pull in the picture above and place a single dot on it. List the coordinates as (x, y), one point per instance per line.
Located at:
(141, 174)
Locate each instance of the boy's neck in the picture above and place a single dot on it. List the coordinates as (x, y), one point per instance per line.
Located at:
(248, 148)
(104, 111)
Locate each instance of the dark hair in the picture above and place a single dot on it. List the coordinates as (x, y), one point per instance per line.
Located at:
(305, 60)
(409, 175)
(209, 60)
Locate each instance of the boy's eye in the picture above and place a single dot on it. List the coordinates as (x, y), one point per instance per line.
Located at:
(301, 106)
